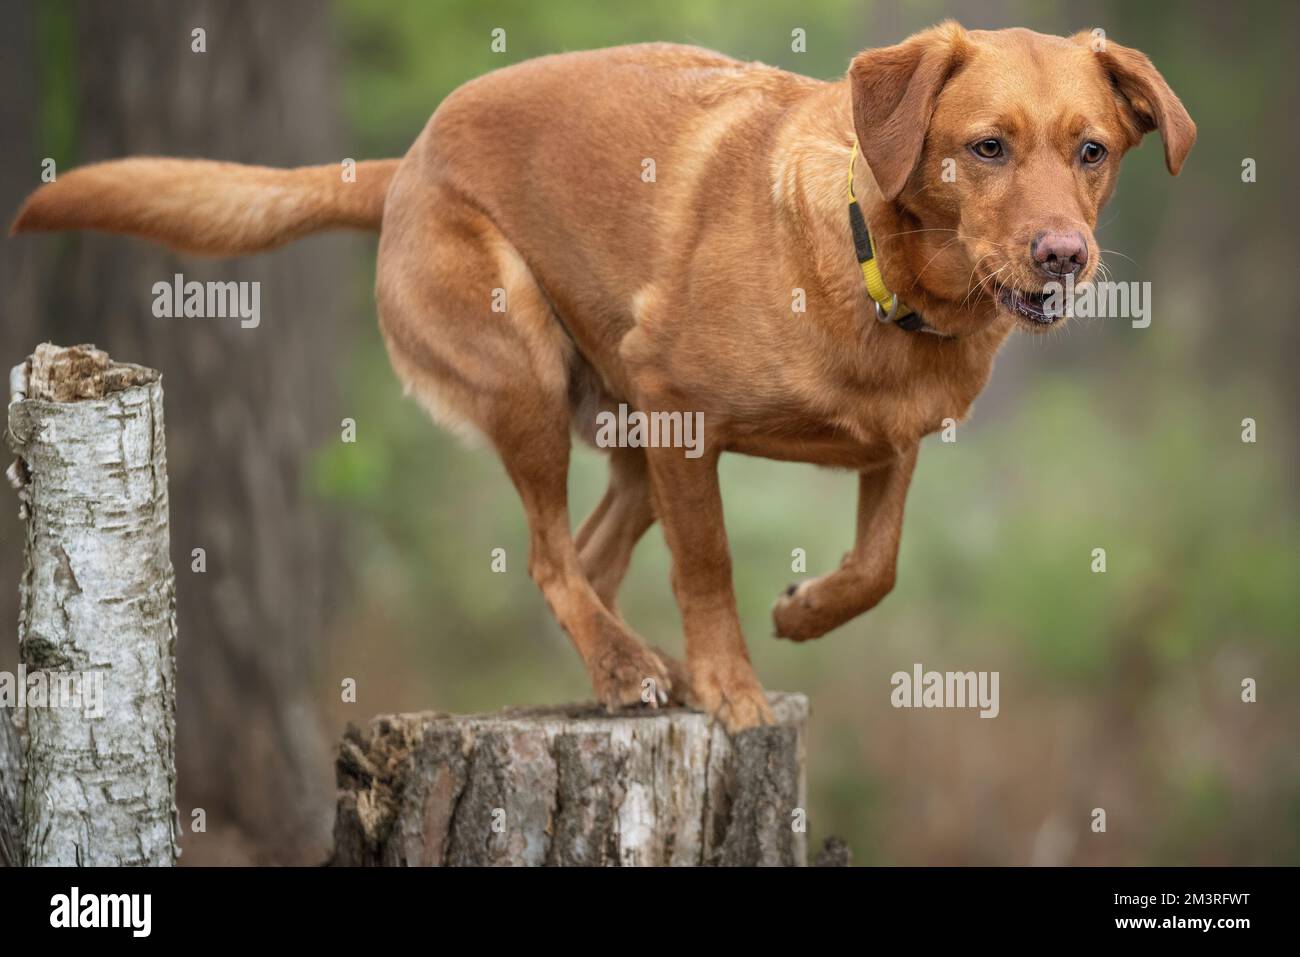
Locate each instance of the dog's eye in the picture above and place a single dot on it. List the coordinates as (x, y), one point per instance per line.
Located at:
(1092, 153)
(987, 149)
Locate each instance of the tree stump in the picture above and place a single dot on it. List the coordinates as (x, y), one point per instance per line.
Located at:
(572, 786)
(97, 612)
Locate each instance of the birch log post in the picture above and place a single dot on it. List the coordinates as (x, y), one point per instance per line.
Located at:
(572, 786)
(97, 611)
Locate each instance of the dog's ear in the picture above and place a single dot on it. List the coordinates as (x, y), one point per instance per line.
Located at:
(1148, 98)
(894, 90)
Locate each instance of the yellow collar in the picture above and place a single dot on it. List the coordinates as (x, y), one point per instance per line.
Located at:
(889, 308)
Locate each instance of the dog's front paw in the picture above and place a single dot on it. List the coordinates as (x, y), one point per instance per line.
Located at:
(730, 692)
(797, 616)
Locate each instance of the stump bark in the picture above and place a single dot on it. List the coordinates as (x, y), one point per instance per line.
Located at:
(97, 616)
(572, 786)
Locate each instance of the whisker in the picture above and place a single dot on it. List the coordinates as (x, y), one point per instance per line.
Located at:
(974, 269)
(909, 232)
(1116, 252)
(992, 278)
(940, 251)
(989, 278)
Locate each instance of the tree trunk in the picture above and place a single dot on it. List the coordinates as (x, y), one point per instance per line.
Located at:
(572, 786)
(97, 615)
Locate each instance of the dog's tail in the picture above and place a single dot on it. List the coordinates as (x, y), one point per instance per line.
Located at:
(210, 208)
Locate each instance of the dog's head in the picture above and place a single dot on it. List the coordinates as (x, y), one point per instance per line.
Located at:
(997, 150)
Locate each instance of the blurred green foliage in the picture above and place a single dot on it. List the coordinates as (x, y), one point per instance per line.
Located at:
(1119, 689)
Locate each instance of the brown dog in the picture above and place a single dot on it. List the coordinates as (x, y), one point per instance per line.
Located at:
(634, 226)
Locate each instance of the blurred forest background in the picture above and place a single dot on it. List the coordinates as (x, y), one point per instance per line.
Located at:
(371, 560)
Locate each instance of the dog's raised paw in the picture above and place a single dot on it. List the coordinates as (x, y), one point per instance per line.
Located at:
(794, 616)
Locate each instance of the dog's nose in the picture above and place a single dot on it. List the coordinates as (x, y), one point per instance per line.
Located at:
(1059, 254)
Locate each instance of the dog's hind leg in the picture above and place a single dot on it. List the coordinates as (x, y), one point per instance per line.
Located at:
(610, 533)
(608, 536)
(470, 332)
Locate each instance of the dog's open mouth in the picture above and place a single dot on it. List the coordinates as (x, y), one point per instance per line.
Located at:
(1031, 306)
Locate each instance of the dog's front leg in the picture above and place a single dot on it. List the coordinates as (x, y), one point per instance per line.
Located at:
(866, 575)
(689, 505)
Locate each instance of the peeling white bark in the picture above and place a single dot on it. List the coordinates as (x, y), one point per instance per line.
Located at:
(97, 599)
(572, 786)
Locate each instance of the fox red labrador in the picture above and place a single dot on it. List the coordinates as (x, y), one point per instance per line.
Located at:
(635, 227)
